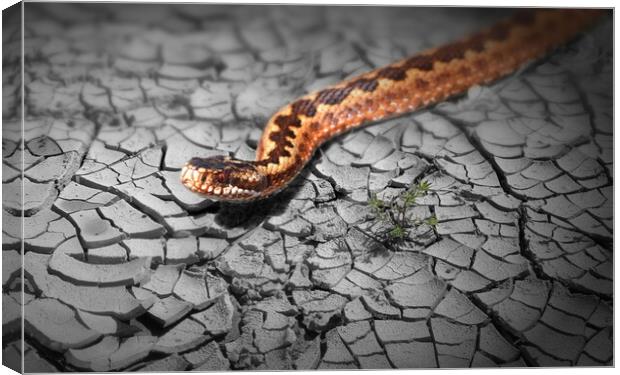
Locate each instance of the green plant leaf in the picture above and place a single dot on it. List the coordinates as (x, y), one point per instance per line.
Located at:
(397, 232)
(375, 202)
(424, 186)
(432, 221)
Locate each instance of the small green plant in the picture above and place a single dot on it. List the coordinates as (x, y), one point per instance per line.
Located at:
(394, 213)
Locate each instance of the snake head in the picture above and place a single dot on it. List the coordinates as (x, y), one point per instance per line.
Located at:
(223, 178)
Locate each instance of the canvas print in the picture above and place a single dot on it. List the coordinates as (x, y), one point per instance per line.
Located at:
(204, 187)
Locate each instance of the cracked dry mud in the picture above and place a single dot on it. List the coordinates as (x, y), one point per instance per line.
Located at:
(126, 270)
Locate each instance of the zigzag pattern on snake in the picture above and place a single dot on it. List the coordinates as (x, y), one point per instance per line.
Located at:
(296, 131)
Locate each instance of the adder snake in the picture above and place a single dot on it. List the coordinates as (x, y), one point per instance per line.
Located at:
(296, 131)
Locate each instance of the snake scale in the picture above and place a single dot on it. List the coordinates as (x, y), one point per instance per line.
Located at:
(296, 131)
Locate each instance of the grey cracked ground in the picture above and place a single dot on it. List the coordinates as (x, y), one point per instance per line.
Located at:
(127, 270)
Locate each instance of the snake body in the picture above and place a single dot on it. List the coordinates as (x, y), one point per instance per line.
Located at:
(297, 130)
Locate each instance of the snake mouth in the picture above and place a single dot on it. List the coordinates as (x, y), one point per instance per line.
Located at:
(200, 181)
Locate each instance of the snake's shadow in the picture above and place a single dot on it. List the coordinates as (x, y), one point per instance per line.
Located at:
(247, 214)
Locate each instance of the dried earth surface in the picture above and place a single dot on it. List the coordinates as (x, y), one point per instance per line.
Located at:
(127, 270)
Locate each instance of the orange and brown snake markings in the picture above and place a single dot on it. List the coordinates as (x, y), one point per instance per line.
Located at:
(296, 131)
